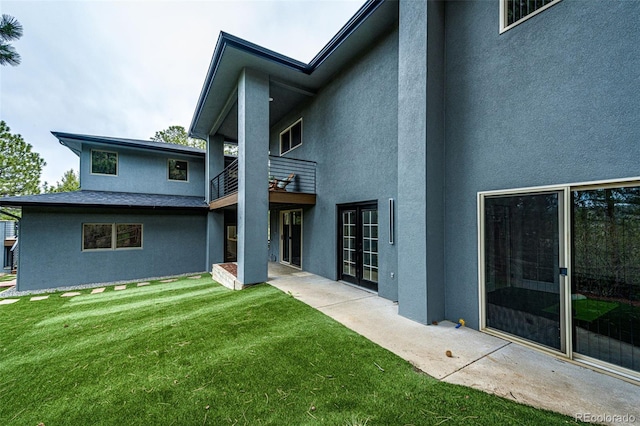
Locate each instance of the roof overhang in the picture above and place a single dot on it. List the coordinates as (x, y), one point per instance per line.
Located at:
(290, 80)
(74, 143)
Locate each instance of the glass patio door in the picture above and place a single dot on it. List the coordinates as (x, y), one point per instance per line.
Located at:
(524, 269)
(561, 268)
(605, 279)
(358, 245)
(291, 237)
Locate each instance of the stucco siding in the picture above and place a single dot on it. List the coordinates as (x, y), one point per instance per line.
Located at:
(553, 100)
(350, 130)
(173, 243)
(142, 172)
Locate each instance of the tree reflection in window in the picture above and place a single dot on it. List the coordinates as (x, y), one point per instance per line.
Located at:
(104, 162)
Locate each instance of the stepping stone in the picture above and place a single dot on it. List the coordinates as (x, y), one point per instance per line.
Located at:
(169, 280)
(97, 290)
(8, 301)
(33, 299)
(71, 294)
(120, 287)
(143, 284)
(195, 277)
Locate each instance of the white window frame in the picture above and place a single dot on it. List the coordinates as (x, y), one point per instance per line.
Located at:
(503, 14)
(114, 236)
(288, 129)
(169, 170)
(104, 174)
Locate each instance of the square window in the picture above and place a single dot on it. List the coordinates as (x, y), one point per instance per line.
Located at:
(128, 235)
(104, 163)
(178, 170)
(97, 236)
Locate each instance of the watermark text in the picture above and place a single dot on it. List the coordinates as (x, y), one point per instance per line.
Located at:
(605, 418)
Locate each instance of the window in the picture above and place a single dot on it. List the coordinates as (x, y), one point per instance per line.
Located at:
(128, 235)
(512, 12)
(97, 236)
(291, 137)
(104, 162)
(110, 236)
(178, 170)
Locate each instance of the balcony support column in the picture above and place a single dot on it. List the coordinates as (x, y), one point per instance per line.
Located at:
(215, 219)
(253, 197)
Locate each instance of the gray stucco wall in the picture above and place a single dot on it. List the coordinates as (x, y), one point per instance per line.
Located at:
(350, 130)
(142, 171)
(421, 161)
(554, 100)
(51, 247)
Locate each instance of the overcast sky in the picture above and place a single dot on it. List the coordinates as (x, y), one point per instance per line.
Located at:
(130, 68)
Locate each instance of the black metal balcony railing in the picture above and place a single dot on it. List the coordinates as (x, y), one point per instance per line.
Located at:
(280, 168)
(226, 182)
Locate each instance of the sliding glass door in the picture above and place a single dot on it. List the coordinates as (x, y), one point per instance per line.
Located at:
(291, 237)
(523, 288)
(605, 283)
(561, 269)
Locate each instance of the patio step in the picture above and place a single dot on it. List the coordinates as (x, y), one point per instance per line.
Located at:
(225, 274)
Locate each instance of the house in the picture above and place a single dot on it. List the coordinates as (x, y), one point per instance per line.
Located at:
(140, 213)
(472, 160)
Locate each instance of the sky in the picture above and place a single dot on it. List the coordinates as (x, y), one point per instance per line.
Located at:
(128, 68)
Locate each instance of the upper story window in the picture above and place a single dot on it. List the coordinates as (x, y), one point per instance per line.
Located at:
(179, 170)
(291, 137)
(104, 162)
(513, 12)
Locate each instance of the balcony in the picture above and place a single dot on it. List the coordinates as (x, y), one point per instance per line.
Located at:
(290, 181)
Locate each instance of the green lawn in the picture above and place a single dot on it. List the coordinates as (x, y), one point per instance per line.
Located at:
(194, 353)
(7, 277)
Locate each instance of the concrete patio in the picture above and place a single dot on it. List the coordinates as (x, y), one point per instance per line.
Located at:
(477, 360)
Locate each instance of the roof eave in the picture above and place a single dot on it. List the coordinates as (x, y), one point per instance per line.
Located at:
(64, 137)
(225, 42)
(200, 130)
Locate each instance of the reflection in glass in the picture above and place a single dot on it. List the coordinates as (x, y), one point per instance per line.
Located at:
(370, 245)
(348, 243)
(522, 286)
(606, 275)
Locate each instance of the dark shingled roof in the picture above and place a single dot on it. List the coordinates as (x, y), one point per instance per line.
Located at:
(106, 199)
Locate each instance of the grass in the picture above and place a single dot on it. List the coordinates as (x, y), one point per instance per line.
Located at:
(7, 277)
(591, 309)
(194, 353)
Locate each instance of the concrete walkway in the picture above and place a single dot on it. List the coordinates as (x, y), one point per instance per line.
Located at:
(477, 360)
